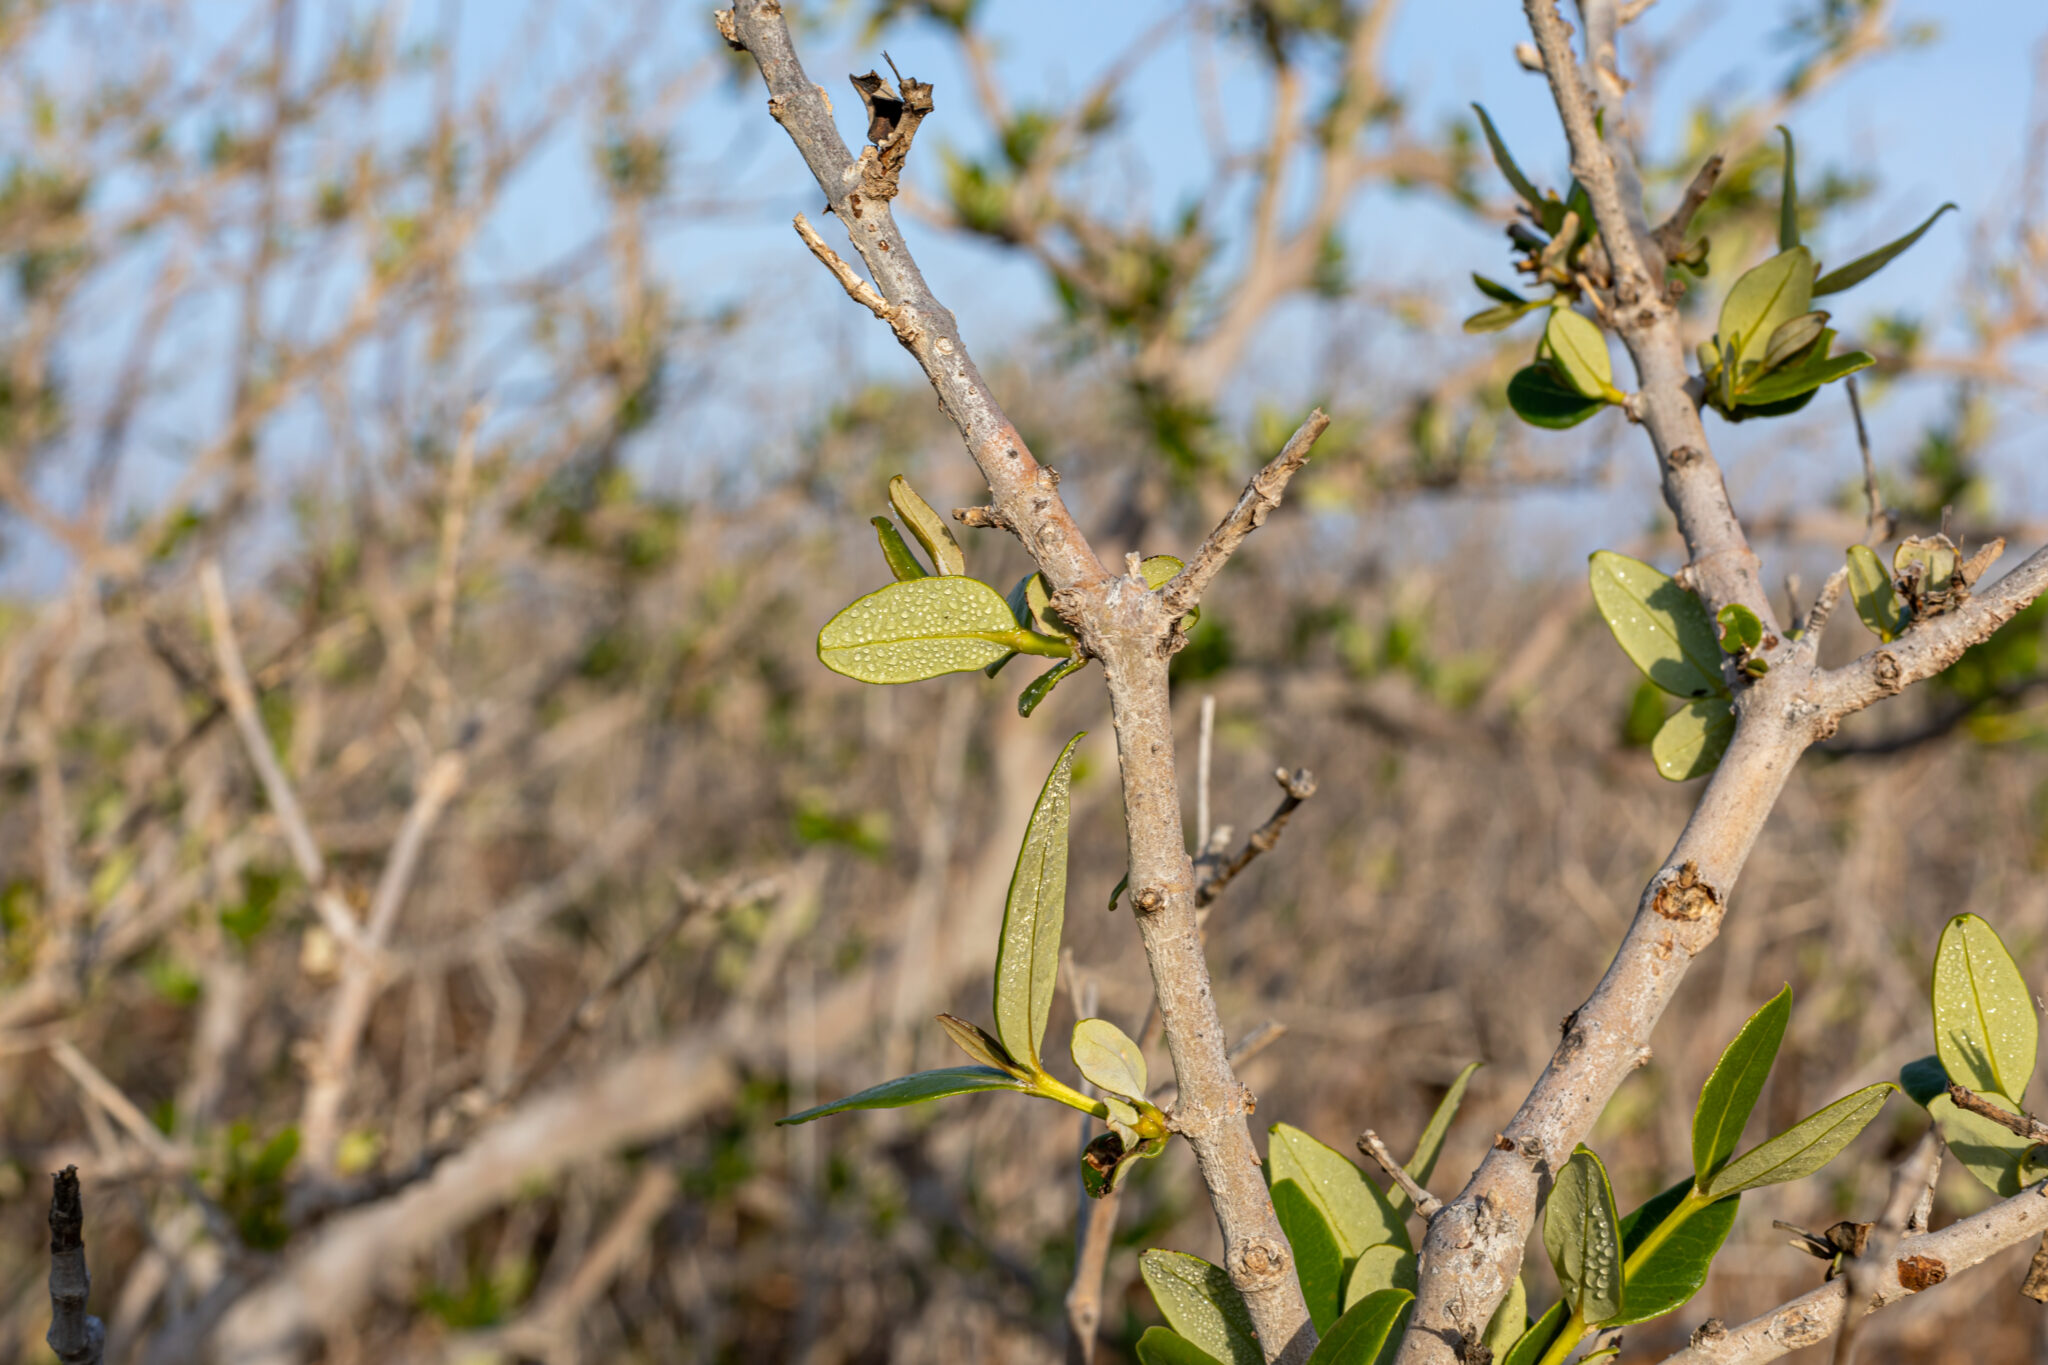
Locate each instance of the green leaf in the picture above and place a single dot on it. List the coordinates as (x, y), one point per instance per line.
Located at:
(1506, 162)
(1199, 1302)
(1040, 687)
(1803, 1148)
(1109, 1059)
(1985, 1030)
(1579, 348)
(1863, 267)
(1385, 1266)
(1535, 1343)
(903, 565)
(918, 629)
(1318, 1263)
(1740, 628)
(928, 526)
(1501, 316)
(1794, 337)
(1038, 601)
(1358, 1337)
(1541, 397)
(1692, 739)
(1731, 1092)
(1788, 199)
(1028, 954)
(1582, 1234)
(925, 1085)
(1794, 381)
(1687, 1237)
(1763, 300)
(1664, 630)
(979, 1044)
(1163, 1346)
(1870, 588)
(1496, 291)
(1430, 1145)
(1357, 1212)
(1509, 1320)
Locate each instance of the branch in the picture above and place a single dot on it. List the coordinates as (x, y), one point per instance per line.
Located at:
(1299, 786)
(1914, 1176)
(75, 1336)
(1260, 497)
(1425, 1203)
(1931, 1259)
(2019, 1125)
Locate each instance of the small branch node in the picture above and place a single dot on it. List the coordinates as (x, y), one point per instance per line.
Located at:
(1426, 1203)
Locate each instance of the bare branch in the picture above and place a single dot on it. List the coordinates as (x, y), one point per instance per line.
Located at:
(1425, 1203)
(1913, 1177)
(1299, 786)
(1878, 524)
(1258, 500)
(2019, 1125)
(75, 1336)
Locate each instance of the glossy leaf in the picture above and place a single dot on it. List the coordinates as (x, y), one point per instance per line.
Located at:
(1665, 1278)
(1985, 1029)
(1382, 1267)
(1509, 1320)
(1199, 1302)
(1496, 291)
(1788, 199)
(1803, 1148)
(1506, 162)
(1692, 739)
(1763, 300)
(1579, 349)
(928, 526)
(1028, 954)
(1318, 1264)
(1794, 337)
(1535, 1343)
(903, 565)
(1877, 601)
(1740, 628)
(1358, 1337)
(1581, 1232)
(918, 629)
(1541, 397)
(1731, 1092)
(1430, 1145)
(1109, 1059)
(1863, 267)
(1664, 630)
(916, 1089)
(1795, 381)
(979, 1044)
(1357, 1212)
(1164, 1346)
(1040, 687)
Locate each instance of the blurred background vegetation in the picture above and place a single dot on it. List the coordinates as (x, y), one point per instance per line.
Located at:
(472, 342)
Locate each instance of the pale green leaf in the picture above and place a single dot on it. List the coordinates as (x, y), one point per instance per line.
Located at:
(1985, 1029)
(1509, 1320)
(1763, 300)
(918, 629)
(1692, 739)
(1358, 1337)
(1579, 349)
(1794, 337)
(1353, 1206)
(1740, 628)
(903, 565)
(1506, 162)
(1794, 381)
(1109, 1059)
(1318, 1263)
(1382, 1267)
(1028, 954)
(1199, 1302)
(1803, 1148)
(1164, 1346)
(1988, 1151)
(1581, 1232)
(1870, 588)
(1788, 199)
(1664, 630)
(925, 1085)
(928, 526)
(1731, 1092)
(979, 1044)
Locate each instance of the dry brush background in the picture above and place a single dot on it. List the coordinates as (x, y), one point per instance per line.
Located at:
(647, 877)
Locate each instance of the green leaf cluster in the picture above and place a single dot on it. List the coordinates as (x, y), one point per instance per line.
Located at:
(1986, 1035)
(1026, 977)
(1616, 1271)
(1666, 632)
